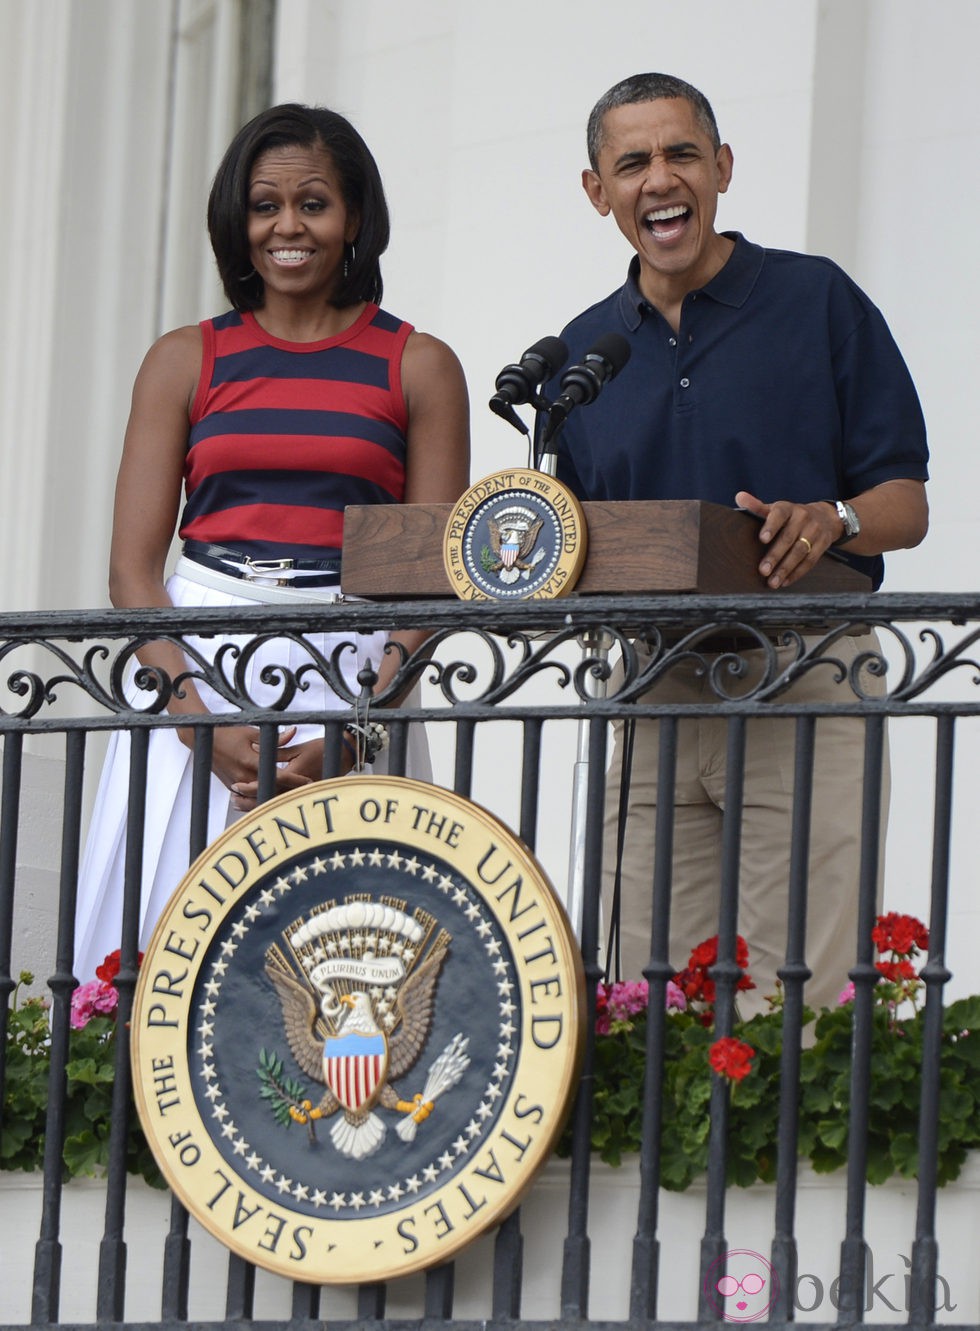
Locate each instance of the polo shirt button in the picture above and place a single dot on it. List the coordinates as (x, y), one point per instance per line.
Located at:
(672, 341)
(685, 383)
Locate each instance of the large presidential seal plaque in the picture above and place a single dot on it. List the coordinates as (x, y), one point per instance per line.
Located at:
(357, 1029)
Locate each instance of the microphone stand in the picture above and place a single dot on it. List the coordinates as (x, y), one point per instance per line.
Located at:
(595, 645)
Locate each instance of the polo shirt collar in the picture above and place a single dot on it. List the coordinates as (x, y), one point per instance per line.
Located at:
(732, 285)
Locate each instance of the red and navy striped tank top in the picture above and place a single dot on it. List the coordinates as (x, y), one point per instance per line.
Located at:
(285, 434)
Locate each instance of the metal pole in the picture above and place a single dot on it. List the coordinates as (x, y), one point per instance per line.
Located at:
(595, 645)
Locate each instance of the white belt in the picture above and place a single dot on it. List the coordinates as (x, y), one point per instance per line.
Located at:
(255, 589)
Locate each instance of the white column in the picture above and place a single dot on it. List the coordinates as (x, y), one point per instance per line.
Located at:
(34, 90)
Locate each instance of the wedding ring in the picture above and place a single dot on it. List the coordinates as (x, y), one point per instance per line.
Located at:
(809, 547)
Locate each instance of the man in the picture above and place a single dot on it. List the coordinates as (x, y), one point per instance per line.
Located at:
(766, 380)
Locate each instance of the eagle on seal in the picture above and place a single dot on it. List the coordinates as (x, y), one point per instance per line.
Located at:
(513, 534)
(357, 1062)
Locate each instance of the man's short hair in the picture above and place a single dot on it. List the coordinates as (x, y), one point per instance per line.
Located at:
(648, 88)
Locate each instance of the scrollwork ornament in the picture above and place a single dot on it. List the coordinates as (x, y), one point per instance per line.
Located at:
(26, 684)
(30, 683)
(596, 665)
(471, 664)
(943, 662)
(537, 659)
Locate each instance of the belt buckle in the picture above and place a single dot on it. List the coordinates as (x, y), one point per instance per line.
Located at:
(265, 569)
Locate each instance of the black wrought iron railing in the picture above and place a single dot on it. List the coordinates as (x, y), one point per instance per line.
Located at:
(519, 701)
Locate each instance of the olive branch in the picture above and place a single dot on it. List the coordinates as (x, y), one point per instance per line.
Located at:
(283, 1093)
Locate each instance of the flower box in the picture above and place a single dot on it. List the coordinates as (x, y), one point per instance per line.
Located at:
(890, 1225)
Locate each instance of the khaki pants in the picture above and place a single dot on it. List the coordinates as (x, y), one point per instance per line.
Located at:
(835, 831)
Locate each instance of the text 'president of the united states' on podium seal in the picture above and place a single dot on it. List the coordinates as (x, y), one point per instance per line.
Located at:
(516, 535)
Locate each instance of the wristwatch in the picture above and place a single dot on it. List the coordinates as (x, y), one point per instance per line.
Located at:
(851, 521)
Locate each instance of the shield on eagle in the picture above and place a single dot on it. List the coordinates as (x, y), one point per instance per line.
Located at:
(510, 548)
(355, 1064)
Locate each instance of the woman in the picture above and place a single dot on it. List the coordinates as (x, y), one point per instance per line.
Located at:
(303, 398)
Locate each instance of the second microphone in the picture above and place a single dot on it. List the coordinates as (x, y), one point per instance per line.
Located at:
(581, 384)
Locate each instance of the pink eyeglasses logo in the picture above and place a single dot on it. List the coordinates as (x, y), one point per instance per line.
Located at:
(741, 1285)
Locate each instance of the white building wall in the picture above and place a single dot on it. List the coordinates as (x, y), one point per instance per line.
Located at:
(28, 288)
(83, 124)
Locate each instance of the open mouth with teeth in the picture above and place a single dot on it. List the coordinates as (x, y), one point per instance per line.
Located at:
(289, 256)
(667, 223)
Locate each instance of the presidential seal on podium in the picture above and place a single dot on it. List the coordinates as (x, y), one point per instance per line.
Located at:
(357, 1030)
(515, 535)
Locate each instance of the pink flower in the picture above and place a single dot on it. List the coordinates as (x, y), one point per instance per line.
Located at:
(92, 999)
(616, 1004)
(846, 995)
(627, 998)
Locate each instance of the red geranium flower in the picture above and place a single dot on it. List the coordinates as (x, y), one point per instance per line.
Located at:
(897, 971)
(731, 1058)
(704, 955)
(602, 1009)
(691, 983)
(694, 980)
(109, 968)
(900, 933)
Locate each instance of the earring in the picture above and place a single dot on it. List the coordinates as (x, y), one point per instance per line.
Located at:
(248, 276)
(349, 262)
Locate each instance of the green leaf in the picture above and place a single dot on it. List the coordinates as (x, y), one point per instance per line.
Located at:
(905, 1154)
(84, 1154)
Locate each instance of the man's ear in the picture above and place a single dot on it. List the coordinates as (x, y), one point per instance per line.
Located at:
(597, 195)
(724, 162)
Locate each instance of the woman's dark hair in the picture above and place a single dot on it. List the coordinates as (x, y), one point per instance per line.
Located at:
(305, 127)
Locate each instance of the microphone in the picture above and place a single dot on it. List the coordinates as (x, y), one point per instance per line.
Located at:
(520, 383)
(581, 384)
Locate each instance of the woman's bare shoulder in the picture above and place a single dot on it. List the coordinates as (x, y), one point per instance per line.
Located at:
(172, 365)
(180, 348)
(425, 353)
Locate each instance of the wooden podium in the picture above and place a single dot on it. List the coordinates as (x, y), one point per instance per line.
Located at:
(635, 546)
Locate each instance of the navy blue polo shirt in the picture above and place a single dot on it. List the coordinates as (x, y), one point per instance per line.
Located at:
(783, 380)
